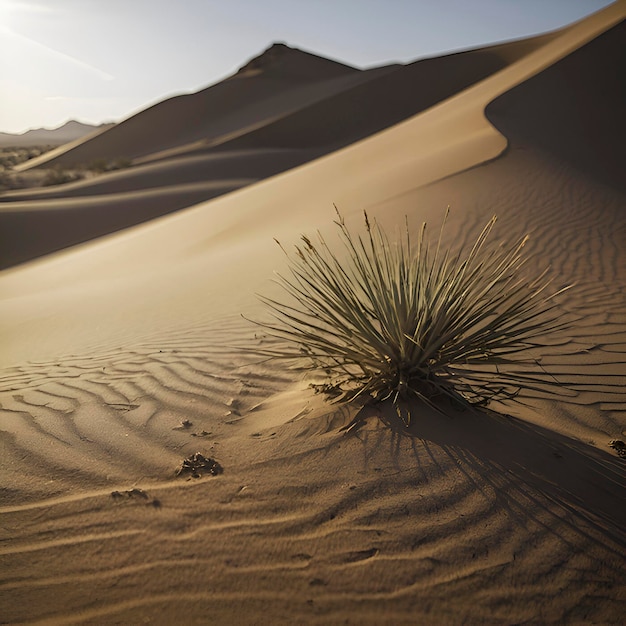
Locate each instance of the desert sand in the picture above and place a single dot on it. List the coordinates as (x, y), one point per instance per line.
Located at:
(127, 353)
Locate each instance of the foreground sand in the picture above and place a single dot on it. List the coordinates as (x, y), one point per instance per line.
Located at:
(515, 517)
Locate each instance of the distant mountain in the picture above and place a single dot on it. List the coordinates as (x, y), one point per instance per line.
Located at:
(70, 131)
(279, 80)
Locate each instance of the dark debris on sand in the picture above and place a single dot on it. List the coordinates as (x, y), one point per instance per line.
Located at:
(135, 493)
(197, 465)
(619, 446)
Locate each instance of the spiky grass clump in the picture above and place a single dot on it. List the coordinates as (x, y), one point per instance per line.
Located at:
(401, 321)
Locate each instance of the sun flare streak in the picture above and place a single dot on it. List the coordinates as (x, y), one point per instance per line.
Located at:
(19, 39)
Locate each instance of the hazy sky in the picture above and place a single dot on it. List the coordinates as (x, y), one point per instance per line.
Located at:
(101, 60)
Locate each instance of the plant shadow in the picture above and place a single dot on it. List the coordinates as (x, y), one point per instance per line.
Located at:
(533, 471)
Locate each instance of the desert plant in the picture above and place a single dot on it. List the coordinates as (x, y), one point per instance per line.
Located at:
(395, 321)
(59, 176)
(101, 166)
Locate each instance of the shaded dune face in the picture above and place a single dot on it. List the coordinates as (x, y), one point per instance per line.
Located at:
(283, 85)
(128, 355)
(31, 226)
(574, 110)
(284, 82)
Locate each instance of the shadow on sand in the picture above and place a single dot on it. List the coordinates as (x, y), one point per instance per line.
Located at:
(534, 472)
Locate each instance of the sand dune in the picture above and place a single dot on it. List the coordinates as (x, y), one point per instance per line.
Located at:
(282, 82)
(286, 106)
(90, 208)
(123, 356)
(548, 123)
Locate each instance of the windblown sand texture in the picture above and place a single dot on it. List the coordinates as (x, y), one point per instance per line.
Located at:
(128, 353)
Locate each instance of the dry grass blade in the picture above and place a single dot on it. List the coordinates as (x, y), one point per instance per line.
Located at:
(395, 321)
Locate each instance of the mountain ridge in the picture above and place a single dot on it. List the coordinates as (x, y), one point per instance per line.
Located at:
(68, 131)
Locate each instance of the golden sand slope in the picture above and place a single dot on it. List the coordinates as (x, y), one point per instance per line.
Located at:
(469, 518)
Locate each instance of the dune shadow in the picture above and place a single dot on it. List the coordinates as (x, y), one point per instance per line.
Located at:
(574, 109)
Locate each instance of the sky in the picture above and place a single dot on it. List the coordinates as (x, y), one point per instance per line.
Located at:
(104, 60)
